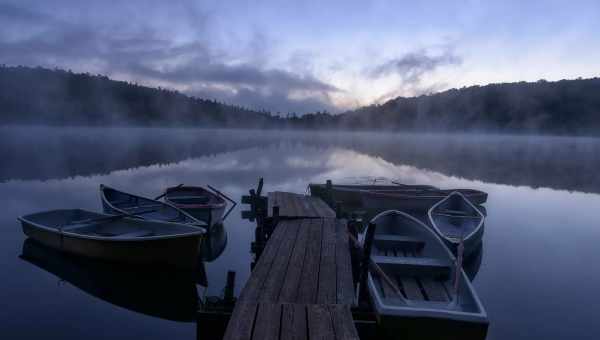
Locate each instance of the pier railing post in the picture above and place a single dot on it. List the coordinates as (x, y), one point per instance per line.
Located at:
(366, 258)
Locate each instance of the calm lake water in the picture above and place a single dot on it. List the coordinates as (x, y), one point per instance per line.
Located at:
(538, 276)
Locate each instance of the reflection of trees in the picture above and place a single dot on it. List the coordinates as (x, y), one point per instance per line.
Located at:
(560, 163)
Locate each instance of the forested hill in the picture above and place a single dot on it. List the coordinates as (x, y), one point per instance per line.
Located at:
(43, 96)
(562, 107)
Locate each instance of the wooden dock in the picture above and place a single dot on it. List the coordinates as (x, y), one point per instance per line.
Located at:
(298, 206)
(302, 285)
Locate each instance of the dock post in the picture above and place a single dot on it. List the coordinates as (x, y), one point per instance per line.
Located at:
(275, 219)
(329, 190)
(366, 258)
(229, 287)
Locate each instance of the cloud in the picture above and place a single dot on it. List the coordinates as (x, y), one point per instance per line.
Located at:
(147, 54)
(414, 65)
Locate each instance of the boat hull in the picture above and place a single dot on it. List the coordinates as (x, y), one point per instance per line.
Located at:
(180, 252)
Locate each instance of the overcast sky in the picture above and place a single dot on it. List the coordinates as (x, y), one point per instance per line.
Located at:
(304, 56)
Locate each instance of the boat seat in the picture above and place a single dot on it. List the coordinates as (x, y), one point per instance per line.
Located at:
(393, 241)
(414, 266)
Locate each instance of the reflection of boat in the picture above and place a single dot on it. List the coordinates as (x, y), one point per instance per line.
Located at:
(119, 202)
(115, 238)
(428, 294)
(198, 202)
(165, 294)
(454, 219)
(214, 243)
(351, 194)
(382, 200)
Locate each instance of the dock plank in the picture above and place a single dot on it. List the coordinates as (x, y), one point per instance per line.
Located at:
(289, 291)
(343, 325)
(310, 271)
(254, 285)
(241, 322)
(277, 273)
(326, 293)
(293, 322)
(320, 325)
(292, 206)
(267, 323)
(345, 282)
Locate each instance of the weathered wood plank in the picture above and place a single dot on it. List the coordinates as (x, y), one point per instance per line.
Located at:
(291, 284)
(344, 283)
(411, 288)
(274, 281)
(241, 321)
(320, 325)
(298, 206)
(293, 322)
(326, 293)
(343, 325)
(267, 323)
(434, 289)
(310, 271)
(254, 285)
(388, 291)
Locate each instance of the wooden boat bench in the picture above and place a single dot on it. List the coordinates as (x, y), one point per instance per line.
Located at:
(414, 266)
(395, 241)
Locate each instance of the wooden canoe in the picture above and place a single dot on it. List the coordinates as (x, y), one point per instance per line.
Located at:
(119, 202)
(351, 194)
(116, 238)
(199, 202)
(456, 217)
(424, 272)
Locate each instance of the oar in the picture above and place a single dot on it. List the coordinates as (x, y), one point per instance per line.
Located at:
(374, 266)
(458, 270)
(164, 193)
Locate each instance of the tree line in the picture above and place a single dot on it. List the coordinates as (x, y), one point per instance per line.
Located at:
(61, 97)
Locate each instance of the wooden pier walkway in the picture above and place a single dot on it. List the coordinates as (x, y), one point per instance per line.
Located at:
(302, 285)
(298, 206)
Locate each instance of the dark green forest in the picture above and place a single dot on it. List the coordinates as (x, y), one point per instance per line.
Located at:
(58, 97)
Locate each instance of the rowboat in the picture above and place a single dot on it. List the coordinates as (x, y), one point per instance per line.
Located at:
(132, 287)
(455, 218)
(120, 202)
(198, 202)
(116, 237)
(419, 200)
(420, 287)
(351, 194)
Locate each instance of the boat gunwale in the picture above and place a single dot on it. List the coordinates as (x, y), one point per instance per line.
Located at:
(194, 231)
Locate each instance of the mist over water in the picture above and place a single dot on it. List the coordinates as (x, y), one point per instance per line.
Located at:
(539, 243)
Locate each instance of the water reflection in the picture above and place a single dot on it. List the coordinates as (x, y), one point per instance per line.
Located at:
(160, 293)
(536, 263)
(214, 244)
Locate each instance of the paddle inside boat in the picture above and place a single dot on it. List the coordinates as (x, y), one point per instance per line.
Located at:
(116, 238)
(420, 282)
(456, 218)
